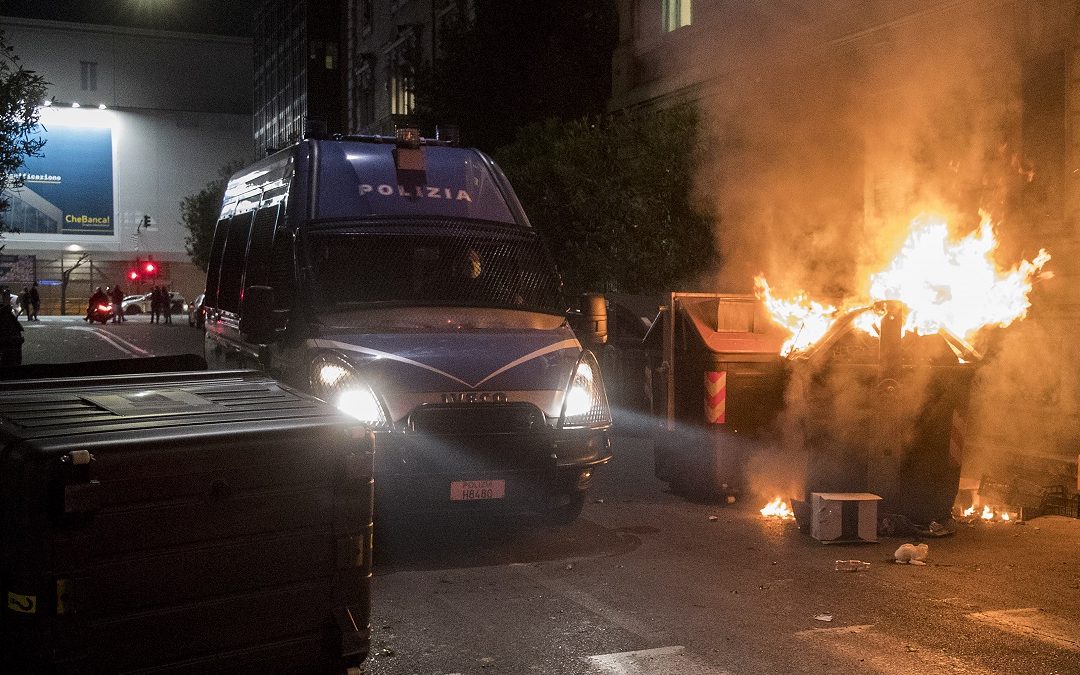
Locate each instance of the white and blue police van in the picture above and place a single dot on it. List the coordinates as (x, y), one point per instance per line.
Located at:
(399, 279)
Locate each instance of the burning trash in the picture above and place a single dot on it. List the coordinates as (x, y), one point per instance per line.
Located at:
(778, 508)
(880, 383)
(945, 285)
(872, 389)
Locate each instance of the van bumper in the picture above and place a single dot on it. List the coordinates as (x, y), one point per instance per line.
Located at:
(525, 473)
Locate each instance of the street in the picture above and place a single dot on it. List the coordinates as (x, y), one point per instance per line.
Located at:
(649, 582)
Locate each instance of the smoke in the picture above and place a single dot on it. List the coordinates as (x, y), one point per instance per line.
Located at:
(832, 129)
(836, 129)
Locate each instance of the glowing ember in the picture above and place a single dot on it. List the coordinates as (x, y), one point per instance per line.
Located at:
(777, 508)
(953, 285)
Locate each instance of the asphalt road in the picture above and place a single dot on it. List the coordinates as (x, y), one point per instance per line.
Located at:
(648, 582)
(67, 339)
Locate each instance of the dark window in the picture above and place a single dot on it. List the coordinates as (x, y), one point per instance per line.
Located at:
(213, 267)
(451, 267)
(365, 99)
(88, 75)
(262, 237)
(363, 16)
(282, 278)
(232, 262)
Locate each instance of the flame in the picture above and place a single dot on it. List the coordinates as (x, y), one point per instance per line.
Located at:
(987, 513)
(945, 284)
(1005, 515)
(806, 319)
(969, 511)
(777, 508)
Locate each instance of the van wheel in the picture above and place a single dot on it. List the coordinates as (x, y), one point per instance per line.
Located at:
(566, 509)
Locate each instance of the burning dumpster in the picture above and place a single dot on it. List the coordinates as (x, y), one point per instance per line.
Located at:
(717, 385)
(883, 411)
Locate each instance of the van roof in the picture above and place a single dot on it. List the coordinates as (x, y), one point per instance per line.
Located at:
(354, 178)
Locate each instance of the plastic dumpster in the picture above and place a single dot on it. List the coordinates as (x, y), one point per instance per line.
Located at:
(884, 414)
(718, 385)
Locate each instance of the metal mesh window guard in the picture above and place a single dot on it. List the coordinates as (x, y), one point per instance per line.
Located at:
(450, 265)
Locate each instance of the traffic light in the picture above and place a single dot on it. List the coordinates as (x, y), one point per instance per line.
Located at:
(133, 274)
(149, 269)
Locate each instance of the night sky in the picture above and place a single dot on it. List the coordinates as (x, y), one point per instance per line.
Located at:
(220, 17)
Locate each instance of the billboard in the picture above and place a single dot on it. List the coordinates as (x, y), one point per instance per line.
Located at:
(69, 188)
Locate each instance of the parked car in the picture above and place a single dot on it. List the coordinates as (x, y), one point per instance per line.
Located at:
(140, 304)
(195, 316)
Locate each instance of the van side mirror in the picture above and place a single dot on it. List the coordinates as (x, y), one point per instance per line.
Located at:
(590, 323)
(257, 314)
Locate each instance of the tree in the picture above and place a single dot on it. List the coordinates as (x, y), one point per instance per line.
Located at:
(199, 213)
(519, 61)
(65, 278)
(613, 197)
(21, 92)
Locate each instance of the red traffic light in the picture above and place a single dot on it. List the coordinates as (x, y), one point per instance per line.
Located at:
(133, 275)
(149, 268)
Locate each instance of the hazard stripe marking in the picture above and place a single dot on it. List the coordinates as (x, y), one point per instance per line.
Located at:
(715, 396)
(1034, 623)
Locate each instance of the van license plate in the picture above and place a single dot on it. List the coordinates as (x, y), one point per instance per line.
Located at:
(468, 490)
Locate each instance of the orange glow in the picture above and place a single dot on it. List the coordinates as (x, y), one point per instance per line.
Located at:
(945, 284)
(777, 508)
(969, 511)
(987, 513)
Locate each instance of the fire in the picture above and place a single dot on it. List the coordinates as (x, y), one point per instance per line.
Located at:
(987, 513)
(969, 511)
(945, 284)
(806, 319)
(777, 508)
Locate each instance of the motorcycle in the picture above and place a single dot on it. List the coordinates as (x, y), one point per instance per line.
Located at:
(102, 311)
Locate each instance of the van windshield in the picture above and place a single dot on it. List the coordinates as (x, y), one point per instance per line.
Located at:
(432, 265)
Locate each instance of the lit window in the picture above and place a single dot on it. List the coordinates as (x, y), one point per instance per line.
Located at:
(402, 60)
(675, 14)
(88, 75)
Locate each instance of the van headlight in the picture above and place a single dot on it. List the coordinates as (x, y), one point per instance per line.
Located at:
(334, 381)
(585, 403)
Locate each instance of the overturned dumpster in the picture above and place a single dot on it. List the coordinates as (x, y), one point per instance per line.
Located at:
(868, 408)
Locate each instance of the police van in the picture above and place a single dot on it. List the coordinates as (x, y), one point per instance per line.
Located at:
(399, 279)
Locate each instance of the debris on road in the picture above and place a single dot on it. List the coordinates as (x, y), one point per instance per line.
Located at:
(913, 554)
(823, 617)
(851, 565)
(713, 519)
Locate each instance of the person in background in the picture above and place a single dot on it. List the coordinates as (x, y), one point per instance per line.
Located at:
(166, 304)
(24, 302)
(155, 305)
(117, 297)
(35, 302)
(99, 296)
(11, 338)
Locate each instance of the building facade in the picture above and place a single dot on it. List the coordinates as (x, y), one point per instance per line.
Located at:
(838, 121)
(299, 74)
(127, 139)
(389, 43)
